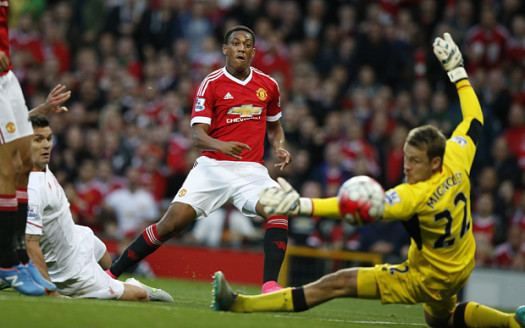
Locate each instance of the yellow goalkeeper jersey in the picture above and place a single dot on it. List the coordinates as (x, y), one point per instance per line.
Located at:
(436, 212)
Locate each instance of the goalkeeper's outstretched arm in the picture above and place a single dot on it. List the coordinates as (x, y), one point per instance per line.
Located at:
(451, 59)
(325, 207)
(287, 201)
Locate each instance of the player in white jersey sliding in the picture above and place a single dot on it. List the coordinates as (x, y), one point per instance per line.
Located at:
(69, 255)
(234, 108)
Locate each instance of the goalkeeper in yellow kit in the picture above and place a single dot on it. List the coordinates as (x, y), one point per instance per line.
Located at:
(433, 204)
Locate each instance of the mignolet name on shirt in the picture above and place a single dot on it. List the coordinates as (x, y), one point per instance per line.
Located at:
(443, 188)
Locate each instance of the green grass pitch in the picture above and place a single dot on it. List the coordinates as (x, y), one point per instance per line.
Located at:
(191, 309)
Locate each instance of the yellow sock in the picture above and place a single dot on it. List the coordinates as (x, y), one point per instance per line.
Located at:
(280, 301)
(477, 315)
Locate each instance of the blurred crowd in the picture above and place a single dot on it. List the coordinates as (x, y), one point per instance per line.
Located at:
(355, 76)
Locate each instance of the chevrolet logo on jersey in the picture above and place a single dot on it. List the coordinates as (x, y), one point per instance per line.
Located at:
(246, 111)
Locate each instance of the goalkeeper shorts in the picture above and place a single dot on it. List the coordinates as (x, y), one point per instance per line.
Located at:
(405, 284)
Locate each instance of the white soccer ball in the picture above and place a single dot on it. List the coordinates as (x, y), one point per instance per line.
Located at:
(361, 200)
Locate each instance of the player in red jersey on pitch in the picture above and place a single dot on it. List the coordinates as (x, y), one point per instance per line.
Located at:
(233, 109)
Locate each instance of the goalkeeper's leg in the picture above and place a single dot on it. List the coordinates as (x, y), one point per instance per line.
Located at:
(471, 314)
(343, 283)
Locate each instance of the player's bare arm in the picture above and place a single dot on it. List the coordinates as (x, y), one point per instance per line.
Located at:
(276, 138)
(53, 104)
(202, 140)
(35, 254)
(4, 61)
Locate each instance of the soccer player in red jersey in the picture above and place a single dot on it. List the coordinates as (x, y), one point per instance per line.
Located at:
(15, 139)
(233, 109)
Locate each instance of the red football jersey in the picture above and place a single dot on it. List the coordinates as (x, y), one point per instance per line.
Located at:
(237, 110)
(4, 35)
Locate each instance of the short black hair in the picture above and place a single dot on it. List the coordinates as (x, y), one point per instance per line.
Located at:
(39, 121)
(430, 137)
(235, 29)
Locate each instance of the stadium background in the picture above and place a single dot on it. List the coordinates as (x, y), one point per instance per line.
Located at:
(354, 77)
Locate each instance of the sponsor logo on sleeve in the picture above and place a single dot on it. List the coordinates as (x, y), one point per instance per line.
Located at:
(460, 140)
(199, 104)
(392, 197)
(31, 212)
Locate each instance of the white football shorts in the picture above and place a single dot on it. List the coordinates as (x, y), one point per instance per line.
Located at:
(91, 281)
(212, 183)
(14, 117)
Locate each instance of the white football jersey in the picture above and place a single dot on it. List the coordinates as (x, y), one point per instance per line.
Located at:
(132, 209)
(49, 216)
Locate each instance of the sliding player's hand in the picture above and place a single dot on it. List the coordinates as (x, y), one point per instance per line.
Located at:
(56, 98)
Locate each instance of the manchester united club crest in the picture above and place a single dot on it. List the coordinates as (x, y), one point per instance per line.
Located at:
(261, 94)
(182, 192)
(10, 127)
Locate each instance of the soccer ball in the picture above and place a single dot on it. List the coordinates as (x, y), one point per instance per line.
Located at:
(361, 200)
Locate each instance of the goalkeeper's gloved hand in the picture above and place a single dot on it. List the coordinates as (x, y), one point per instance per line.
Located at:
(285, 201)
(450, 57)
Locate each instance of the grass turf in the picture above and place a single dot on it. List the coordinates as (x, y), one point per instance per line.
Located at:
(191, 309)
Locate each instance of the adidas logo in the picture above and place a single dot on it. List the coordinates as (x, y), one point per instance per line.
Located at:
(228, 96)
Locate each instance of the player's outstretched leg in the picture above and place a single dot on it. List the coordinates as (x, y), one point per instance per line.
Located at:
(520, 316)
(18, 278)
(223, 295)
(38, 278)
(155, 294)
(472, 314)
(284, 300)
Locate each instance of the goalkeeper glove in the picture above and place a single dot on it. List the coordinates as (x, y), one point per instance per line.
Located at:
(450, 57)
(285, 201)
